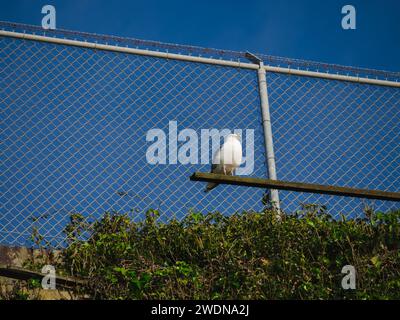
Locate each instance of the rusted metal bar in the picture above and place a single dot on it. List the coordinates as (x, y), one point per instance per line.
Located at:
(296, 186)
(25, 274)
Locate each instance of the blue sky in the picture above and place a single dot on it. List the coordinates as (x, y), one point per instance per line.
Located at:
(309, 29)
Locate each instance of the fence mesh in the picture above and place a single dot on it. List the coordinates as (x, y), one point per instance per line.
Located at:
(335, 133)
(74, 123)
(74, 126)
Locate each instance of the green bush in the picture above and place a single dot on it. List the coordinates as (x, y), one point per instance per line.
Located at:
(244, 256)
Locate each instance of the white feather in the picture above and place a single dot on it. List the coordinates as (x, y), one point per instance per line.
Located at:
(227, 158)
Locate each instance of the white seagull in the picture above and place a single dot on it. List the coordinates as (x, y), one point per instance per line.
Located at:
(227, 158)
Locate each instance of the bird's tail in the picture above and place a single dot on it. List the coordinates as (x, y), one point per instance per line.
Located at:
(210, 186)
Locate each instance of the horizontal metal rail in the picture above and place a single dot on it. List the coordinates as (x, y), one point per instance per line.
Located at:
(330, 76)
(296, 186)
(227, 63)
(25, 274)
(142, 52)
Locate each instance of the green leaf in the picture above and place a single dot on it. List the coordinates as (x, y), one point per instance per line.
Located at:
(376, 261)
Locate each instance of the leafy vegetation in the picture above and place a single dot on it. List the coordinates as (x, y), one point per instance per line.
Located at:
(19, 290)
(244, 256)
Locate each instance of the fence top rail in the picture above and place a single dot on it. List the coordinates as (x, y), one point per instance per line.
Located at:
(202, 51)
(189, 58)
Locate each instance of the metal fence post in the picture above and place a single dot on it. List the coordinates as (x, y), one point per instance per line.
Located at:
(266, 120)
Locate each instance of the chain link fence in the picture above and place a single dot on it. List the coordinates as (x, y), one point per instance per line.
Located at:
(74, 123)
(335, 133)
